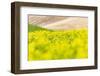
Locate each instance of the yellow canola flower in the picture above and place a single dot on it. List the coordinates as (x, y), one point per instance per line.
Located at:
(51, 45)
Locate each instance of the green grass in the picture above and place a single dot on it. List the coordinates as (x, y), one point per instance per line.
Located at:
(32, 28)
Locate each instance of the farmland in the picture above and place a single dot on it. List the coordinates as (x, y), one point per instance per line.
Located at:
(45, 44)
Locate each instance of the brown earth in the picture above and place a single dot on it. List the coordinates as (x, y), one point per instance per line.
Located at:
(59, 22)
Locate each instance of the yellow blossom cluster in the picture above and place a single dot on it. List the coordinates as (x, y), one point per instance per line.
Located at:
(58, 44)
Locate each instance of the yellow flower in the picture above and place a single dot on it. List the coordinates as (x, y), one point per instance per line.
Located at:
(66, 44)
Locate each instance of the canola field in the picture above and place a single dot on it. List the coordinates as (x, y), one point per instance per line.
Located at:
(44, 44)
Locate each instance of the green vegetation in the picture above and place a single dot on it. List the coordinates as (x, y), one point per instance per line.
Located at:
(45, 44)
(32, 28)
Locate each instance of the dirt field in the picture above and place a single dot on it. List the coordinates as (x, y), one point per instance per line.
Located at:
(59, 22)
